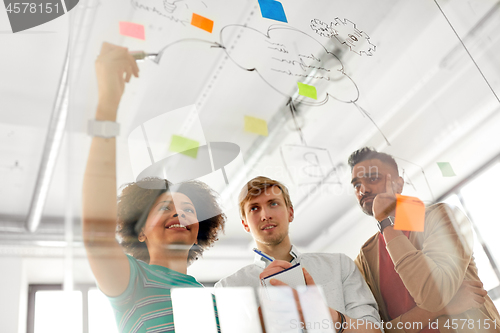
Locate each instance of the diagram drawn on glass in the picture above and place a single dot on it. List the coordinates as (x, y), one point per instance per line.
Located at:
(298, 66)
(346, 33)
(178, 11)
(287, 58)
(309, 165)
(417, 187)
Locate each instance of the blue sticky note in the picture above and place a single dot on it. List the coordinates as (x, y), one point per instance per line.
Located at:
(272, 10)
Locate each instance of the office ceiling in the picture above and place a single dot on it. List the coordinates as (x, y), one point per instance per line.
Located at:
(419, 96)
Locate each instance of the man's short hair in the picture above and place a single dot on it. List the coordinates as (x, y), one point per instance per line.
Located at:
(258, 186)
(368, 153)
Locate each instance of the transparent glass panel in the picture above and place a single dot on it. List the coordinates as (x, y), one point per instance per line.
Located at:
(477, 23)
(233, 90)
(485, 270)
(481, 198)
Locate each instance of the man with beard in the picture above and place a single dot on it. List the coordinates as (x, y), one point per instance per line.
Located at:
(427, 278)
(267, 211)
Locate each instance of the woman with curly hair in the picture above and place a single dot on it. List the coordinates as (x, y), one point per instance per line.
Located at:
(161, 227)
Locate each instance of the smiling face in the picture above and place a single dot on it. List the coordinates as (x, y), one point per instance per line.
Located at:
(171, 220)
(267, 217)
(369, 179)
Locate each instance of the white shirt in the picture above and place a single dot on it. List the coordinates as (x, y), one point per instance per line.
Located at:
(344, 288)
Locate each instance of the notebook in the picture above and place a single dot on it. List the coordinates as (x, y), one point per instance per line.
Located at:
(292, 276)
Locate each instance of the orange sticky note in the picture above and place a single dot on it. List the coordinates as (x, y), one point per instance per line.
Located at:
(132, 30)
(202, 22)
(410, 213)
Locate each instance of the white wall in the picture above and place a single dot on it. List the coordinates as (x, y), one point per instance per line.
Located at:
(14, 294)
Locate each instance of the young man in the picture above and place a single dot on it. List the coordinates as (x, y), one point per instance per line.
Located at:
(415, 275)
(267, 211)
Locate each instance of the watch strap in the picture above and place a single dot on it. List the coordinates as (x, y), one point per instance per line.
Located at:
(385, 223)
(104, 129)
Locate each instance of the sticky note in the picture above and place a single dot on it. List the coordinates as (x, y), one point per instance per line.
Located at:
(132, 30)
(272, 10)
(307, 90)
(410, 213)
(256, 125)
(446, 169)
(184, 146)
(202, 22)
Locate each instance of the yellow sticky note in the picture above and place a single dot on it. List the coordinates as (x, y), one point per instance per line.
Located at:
(185, 146)
(410, 213)
(202, 22)
(307, 90)
(256, 125)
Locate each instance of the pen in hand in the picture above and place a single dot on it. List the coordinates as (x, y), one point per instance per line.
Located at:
(262, 254)
(141, 55)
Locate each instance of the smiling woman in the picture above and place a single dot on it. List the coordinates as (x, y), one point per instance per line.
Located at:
(137, 200)
(162, 227)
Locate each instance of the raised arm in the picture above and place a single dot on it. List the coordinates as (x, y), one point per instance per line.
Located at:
(114, 67)
(434, 274)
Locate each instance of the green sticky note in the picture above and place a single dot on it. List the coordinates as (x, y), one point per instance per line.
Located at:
(185, 146)
(256, 125)
(307, 90)
(446, 169)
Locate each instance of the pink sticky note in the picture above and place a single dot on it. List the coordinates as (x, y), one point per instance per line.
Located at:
(132, 30)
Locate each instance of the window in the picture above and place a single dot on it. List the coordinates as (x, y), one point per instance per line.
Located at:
(478, 197)
(84, 310)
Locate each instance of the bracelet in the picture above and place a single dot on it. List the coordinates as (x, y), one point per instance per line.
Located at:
(342, 321)
(104, 129)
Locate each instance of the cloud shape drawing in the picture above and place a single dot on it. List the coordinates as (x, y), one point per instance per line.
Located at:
(284, 56)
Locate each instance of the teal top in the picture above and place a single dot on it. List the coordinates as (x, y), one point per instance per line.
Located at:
(146, 306)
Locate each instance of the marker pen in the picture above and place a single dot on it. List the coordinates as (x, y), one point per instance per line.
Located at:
(260, 253)
(141, 55)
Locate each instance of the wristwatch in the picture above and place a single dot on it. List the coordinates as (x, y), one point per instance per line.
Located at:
(103, 129)
(385, 223)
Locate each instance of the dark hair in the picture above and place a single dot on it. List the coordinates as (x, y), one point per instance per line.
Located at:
(258, 185)
(136, 200)
(368, 153)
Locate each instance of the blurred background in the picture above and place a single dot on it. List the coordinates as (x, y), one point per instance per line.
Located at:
(417, 79)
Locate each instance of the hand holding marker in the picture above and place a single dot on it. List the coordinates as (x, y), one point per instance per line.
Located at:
(292, 276)
(141, 55)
